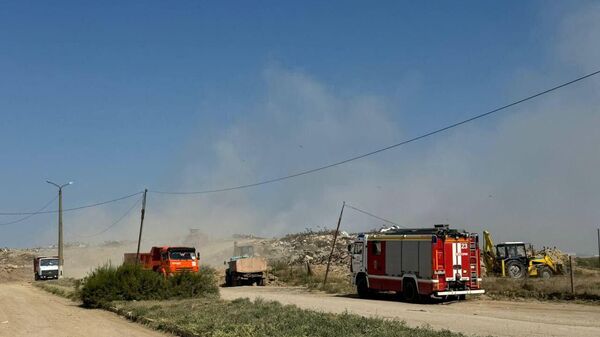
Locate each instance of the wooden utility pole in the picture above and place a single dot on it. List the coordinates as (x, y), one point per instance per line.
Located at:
(571, 268)
(335, 235)
(598, 247)
(137, 254)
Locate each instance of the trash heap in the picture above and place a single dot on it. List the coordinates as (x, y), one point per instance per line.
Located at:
(15, 264)
(311, 247)
(555, 254)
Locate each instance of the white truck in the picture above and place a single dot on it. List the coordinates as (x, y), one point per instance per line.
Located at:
(45, 267)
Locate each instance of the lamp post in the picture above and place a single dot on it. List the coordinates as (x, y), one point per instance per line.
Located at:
(60, 226)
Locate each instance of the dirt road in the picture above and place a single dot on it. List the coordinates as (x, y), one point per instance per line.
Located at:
(474, 317)
(28, 311)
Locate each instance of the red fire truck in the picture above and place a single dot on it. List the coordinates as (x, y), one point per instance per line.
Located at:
(434, 262)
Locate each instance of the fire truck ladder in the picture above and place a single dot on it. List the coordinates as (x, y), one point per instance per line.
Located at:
(473, 261)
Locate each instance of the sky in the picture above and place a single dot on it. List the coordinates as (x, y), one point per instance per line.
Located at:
(119, 97)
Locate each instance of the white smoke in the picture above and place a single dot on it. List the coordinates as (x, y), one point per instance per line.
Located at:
(528, 174)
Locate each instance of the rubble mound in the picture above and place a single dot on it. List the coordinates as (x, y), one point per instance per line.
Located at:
(16, 265)
(310, 246)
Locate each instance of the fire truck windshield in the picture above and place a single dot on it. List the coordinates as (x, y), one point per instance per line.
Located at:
(182, 255)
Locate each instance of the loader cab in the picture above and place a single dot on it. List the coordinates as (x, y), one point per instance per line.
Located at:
(514, 257)
(511, 250)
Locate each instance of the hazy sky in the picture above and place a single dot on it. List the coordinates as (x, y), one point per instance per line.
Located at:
(193, 95)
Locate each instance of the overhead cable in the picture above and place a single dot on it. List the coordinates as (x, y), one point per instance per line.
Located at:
(431, 133)
(374, 216)
(75, 208)
(30, 215)
(116, 222)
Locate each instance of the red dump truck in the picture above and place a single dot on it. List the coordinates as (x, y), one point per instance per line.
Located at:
(434, 262)
(167, 260)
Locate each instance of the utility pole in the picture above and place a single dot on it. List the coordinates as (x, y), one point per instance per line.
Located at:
(137, 254)
(335, 235)
(598, 247)
(61, 260)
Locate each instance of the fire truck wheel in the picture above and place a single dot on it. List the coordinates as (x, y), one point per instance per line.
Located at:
(516, 269)
(410, 291)
(362, 288)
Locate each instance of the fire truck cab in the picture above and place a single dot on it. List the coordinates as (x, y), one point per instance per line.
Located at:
(434, 262)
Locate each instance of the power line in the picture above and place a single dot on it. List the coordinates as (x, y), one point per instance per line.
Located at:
(431, 133)
(374, 216)
(74, 208)
(30, 215)
(116, 222)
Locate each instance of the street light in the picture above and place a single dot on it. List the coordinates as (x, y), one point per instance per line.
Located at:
(60, 226)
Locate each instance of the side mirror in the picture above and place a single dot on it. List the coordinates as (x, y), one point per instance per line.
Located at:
(350, 248)
(198, 256)
(224, 263)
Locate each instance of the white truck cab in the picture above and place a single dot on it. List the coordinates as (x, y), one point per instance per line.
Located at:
(45, 267)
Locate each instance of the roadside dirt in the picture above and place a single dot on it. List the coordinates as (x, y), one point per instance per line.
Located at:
(27, 311)
(472, 317)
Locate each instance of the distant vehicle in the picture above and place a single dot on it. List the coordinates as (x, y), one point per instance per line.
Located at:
(45, 267)
(244, 268)
(434, 262)
(515, 260)
(167, 260)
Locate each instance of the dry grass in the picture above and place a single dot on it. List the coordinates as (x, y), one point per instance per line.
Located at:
(586, 286)
(245, 318)
(65, 287)
(338, 281)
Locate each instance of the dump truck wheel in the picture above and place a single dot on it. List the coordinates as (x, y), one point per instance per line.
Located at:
(410, 292)
(544, 273)
(516, 269)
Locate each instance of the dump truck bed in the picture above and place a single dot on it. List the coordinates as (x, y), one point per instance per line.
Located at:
(248, 265)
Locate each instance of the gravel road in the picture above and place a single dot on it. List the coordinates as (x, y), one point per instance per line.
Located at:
(473, 317)
(28, 311)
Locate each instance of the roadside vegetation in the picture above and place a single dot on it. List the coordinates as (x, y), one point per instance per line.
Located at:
(65, 287)
(338, 282)
(129, 282)
(586, 286)
(245, 318)
(588, 262)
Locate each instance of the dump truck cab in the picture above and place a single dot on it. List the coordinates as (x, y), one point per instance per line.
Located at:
(45, 267)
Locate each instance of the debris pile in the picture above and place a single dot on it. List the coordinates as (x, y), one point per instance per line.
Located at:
(308, 247)
(15, 264)
(555, 254)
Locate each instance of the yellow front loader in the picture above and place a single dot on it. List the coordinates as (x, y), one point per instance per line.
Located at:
(514, 260)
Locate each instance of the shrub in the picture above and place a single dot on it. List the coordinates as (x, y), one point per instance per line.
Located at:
(130, 282)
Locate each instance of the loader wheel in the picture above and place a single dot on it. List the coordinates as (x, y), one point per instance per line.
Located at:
(544, 273)
(410, 292)
(362, 288)
(516, 269)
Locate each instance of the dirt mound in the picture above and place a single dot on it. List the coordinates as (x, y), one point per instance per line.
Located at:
(16, 265)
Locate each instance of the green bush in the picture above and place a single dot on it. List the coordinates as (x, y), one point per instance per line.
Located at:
(130, 282)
